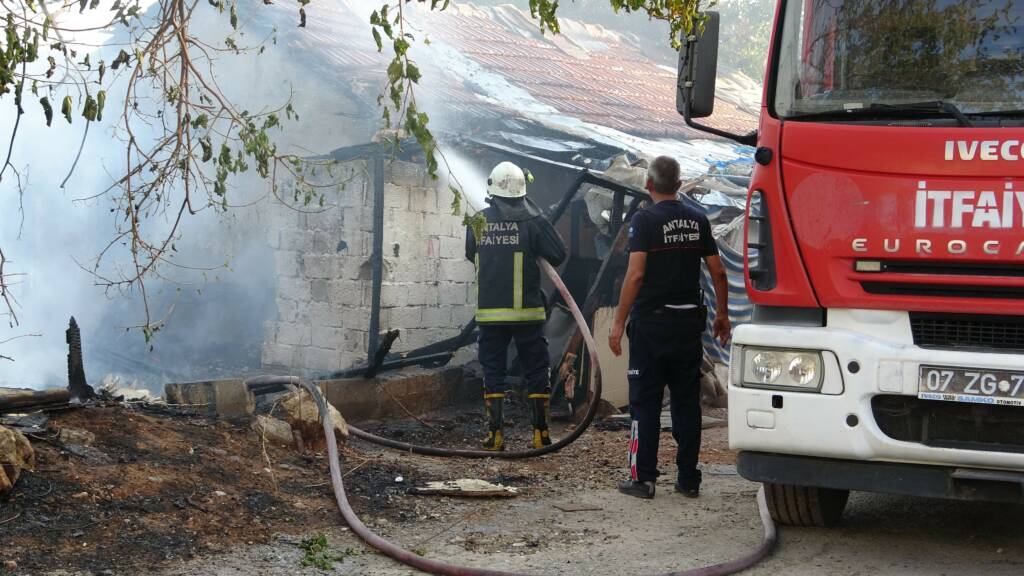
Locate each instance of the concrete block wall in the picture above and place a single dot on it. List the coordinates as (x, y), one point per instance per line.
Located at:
(324, 277)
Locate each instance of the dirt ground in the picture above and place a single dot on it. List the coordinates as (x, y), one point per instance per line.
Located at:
(180, 496)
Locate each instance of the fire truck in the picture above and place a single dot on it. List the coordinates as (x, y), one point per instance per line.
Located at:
(884, 253)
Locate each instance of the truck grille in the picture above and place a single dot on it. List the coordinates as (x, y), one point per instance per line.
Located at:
(950, 424)
(943, 290)
(963, 331)
(952, 268)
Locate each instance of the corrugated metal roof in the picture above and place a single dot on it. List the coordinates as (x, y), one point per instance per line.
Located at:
(619, 87)
(609, 83)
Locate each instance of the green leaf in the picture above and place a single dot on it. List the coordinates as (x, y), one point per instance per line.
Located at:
(234, 17)
(65, 108)
(225, 156)
(395, 71)
(378, 40)
(101, 101)
(401, 46)
(122, 58)
(207, 148)
(47, 109)
(412, 72)
(89, 111)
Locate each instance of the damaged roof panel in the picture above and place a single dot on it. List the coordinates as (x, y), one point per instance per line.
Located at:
(616, 86)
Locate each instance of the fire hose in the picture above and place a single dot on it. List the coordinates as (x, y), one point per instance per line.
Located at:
(438, 567)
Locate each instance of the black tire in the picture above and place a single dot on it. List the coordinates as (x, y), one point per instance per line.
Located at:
(807, 506)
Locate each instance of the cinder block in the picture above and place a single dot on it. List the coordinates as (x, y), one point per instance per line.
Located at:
(413, 270)
(454, 248)
(461, 315)
(329, 338)
(346, 292)
(317, 266)
(453, 293)
(353, 192)
(297, 240)
(456, 271)
(406, 317)
(294, 334)
(321, 316)
(349, 268)
(444, 200)
(325, 220)
(422, 294)
(456, 227)
(287, 310)
(437, 317)
(277, 355)
(434, 227)
(423, 200)
(354, 243)
(358, 218)
(286, 263)
(356, 318)
(406, 174)
(320, 290)
(297, 289)
(357, 342)
(394, 295)
(224, 398)
(321, 360)
(396, 197)
(325, 242)
(419, 337)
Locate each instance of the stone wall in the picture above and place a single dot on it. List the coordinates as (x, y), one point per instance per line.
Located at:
(324, 275)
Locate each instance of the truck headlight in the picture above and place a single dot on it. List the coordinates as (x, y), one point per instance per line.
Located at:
(782, 368)
(766, 367)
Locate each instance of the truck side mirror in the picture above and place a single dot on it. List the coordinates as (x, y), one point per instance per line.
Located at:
(698, 68)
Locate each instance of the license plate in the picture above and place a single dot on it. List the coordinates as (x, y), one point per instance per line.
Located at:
(971, 385)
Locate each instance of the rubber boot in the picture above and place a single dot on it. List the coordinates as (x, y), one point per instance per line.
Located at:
(540, 406)
(493, 409)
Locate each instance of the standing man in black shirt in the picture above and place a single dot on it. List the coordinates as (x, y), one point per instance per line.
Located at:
(662, 297)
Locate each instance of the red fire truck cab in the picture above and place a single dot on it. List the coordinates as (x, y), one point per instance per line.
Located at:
(884, 255)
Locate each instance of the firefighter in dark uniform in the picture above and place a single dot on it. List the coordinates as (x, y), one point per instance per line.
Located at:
(510, 303)
(662, 298)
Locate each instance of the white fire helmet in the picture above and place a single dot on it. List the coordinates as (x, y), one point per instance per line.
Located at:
(507, 181)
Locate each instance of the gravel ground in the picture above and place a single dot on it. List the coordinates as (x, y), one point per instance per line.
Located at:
(621, 535)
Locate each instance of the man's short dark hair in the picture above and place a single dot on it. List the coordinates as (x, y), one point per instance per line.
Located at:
(663, 174)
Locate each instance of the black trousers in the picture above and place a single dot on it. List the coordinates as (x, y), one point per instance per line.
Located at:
(665, 350)
(532, 348)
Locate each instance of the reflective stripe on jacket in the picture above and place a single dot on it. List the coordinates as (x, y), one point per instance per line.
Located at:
(508, 276)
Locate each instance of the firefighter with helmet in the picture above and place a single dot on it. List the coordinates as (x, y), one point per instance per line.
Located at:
(510, 303)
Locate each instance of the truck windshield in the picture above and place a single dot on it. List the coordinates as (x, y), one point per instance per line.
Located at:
(845, 55)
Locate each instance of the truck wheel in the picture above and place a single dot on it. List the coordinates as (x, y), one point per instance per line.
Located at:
(808, 506)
